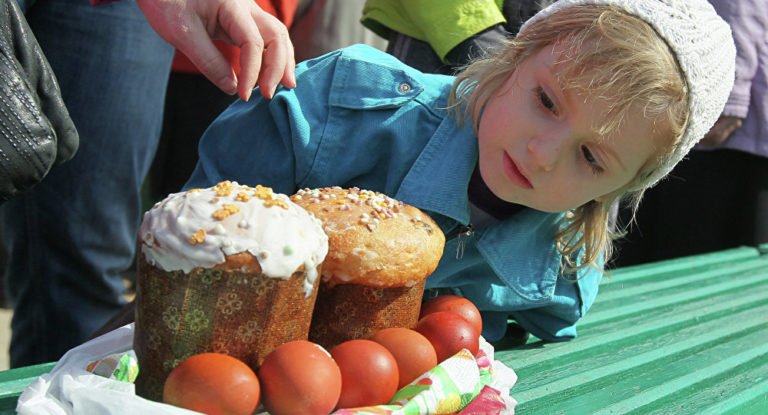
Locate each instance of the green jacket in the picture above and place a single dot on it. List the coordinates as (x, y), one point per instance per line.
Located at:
(427, 20)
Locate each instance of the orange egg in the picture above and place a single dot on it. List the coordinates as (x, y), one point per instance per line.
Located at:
(412, 351)
(213, 383)
(369, 373)
(300, 377)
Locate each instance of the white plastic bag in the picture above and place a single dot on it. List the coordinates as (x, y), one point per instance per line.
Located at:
(70, 389)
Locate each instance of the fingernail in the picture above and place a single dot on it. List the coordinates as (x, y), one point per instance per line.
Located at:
(229, 86)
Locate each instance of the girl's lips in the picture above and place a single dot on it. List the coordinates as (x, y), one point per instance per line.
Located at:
(514, 173)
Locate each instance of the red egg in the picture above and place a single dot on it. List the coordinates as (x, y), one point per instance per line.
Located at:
(213, 383)
(454, 304)
(413, 352)
(369, 373)
(449, 333)
(300, 377)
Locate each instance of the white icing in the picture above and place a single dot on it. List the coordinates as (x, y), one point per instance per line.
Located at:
(282, 237)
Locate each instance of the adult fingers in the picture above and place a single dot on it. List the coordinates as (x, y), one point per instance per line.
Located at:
(273, 71)
(266, 54)
(199, 48)
(276, 63)
(279, 63)
(238, 25)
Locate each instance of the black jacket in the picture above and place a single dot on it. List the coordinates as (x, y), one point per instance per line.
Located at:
(36, 132)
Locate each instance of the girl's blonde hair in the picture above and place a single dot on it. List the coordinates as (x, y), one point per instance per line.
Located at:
(609, 54)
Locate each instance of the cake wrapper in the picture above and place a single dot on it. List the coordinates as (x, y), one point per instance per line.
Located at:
(244, 315)
(351, 311)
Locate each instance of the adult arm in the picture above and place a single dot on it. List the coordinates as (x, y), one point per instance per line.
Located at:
(266, 52)
(443, 24)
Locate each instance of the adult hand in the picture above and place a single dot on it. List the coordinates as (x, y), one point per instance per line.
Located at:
(723, 128)
(266, 52)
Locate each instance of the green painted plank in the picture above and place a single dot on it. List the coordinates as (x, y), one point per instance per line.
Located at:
(605, 302)
(629, 376)
(573, 364)
(679, 264)
(636, 380)
(649, 396)
(683, 336)
(757, 406)
(659, 285)
(583, 347)
(584, 379)
(712, 390)
(14, 381)
(601, 315)
(739, 402)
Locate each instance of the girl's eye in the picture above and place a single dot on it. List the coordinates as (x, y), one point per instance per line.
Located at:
(591, 160)
(546, 101)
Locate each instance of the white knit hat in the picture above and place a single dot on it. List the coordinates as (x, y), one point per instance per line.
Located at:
(703, 45)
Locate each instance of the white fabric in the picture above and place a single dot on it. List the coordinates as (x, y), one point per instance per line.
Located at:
(704, 47)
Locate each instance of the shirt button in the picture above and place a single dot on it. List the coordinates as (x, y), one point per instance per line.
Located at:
(404, 88)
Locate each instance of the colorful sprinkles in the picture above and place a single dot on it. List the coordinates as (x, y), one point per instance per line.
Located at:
(382, 207)
(224, 192)
(225, 211)
(198, 237)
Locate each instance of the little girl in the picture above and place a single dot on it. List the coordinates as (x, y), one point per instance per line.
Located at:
(518, 158)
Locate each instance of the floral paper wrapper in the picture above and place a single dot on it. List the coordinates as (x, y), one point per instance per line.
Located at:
(243, 314)
(464, 384)
(351, 311)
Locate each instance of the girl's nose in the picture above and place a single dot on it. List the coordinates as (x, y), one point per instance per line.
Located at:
(546, 149)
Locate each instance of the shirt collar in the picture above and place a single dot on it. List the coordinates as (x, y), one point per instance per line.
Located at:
(439, 179)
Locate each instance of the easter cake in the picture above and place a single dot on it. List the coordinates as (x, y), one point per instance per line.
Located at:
(230, 269)
(380, 252)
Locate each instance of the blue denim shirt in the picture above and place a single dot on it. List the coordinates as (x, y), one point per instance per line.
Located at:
(359, 117)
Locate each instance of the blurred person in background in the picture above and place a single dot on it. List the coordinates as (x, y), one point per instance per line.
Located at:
(441, 36)
(69, 238)
(323, 26)
(718, 197)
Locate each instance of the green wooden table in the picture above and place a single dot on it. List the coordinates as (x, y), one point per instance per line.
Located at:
(684, 336)
(14, 381)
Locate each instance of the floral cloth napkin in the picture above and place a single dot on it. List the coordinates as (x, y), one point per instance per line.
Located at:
(463, 384)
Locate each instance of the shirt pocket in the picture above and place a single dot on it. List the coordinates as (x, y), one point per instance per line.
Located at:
(372, 85)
